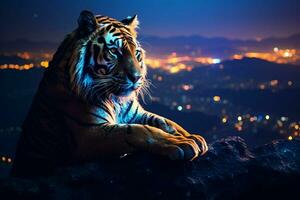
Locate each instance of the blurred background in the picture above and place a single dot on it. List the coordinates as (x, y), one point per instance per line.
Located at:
(218, 67)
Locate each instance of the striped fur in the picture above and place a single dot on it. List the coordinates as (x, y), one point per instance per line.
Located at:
(87, 105)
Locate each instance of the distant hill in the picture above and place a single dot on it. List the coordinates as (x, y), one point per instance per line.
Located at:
(292, 41)
(217, 46)
(12, 60)
(234, 71)
(252, 68)
(27, 45)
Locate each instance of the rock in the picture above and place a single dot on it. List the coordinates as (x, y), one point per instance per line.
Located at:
(228, 171)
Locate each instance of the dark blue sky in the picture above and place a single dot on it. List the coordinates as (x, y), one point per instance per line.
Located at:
(52, 19)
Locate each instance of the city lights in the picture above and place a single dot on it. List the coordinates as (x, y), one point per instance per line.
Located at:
(238, 127)
(188, 106)
(179, 108)
(262, 86)
(186, 87)
(252, 119)
(175, 64)
(172, 63)
(33, 59)
(17, 67)
(277, 55)
(217, 98)
(44, 64)
(274, 82)
(159, 78)
(216, 60)
(6, 159)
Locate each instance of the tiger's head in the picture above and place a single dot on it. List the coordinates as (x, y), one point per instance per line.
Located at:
(107, 59)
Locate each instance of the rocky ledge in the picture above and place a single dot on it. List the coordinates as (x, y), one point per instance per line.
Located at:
(228, 171)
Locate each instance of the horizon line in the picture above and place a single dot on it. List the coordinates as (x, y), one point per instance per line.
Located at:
(257, 39)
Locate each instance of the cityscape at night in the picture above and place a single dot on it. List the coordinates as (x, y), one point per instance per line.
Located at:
(217, 68)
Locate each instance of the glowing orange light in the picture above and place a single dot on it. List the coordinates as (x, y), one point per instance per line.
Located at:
(274, 82)
(17, 67)
(24, 55)
(277, 55)
(238, 127)
(174, 69)
(217, 98)
(44, 64)
(237, 56)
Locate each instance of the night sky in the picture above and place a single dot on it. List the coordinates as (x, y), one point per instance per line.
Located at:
(51, 20)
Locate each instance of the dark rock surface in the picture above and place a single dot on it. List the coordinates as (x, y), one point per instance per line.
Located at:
(228, 171)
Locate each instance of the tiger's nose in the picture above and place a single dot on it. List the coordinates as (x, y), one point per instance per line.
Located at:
(134, 78)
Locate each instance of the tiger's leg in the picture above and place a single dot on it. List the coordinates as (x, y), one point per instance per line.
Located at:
(173, 128)
(134, 113)
(161, 142)
(109, 139)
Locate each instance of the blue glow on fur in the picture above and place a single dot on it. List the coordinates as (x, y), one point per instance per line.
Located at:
(79, 66)
(87, 81)
(130, 114)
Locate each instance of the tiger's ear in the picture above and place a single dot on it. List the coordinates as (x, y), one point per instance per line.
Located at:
(132, 23)
(86, 23)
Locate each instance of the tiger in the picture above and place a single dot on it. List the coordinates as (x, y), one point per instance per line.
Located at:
(87, 104)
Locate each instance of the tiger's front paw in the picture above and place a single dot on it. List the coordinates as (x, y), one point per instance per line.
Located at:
(178, 130)
(200, 141)
(183, 148)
